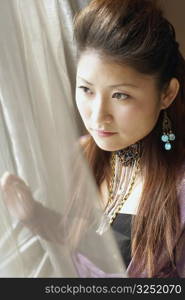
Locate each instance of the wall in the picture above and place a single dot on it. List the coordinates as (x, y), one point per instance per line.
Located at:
(175, 11)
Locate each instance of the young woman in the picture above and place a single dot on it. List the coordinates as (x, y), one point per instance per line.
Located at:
(130, 93)
(131, 97)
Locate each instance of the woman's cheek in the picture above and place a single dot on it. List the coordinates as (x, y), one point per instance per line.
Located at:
(84, 109)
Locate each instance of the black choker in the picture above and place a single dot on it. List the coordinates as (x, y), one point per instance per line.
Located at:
(128, 155)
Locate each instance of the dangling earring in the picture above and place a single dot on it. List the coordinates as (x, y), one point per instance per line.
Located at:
(167, 135)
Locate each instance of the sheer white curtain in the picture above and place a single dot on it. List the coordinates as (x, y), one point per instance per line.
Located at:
(39, 143)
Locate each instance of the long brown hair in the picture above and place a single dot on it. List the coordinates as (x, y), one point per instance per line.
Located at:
(135, 32)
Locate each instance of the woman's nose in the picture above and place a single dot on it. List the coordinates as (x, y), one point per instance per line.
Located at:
(101, 111)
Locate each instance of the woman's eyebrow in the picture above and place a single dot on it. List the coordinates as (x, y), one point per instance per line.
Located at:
(114, 85)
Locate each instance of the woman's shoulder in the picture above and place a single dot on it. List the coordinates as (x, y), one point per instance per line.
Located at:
(181, 195)
(181, 181)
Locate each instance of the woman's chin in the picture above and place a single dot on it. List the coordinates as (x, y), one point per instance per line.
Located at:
(110, 147)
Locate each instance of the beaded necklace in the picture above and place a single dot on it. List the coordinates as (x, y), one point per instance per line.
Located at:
(124, 169)
(116, 201)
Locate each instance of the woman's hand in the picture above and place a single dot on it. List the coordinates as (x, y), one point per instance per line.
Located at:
(39, 219)
(17, 197)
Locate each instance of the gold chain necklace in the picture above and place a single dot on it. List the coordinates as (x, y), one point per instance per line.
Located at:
(123, 199)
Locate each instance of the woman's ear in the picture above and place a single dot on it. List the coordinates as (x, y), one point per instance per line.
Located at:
(170, 93)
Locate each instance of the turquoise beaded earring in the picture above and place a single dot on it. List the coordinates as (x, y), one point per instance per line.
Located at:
(167, 135)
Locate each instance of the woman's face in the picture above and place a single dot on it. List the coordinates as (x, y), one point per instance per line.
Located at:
(116, 99)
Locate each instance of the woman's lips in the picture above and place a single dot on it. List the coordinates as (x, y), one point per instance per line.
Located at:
(102, 133)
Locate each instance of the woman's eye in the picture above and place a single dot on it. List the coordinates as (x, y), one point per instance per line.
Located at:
(85, 89)
(121, 96)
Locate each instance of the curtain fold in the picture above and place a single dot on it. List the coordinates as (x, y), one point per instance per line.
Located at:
(50, 209)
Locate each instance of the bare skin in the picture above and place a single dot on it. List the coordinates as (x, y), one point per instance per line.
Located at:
(130, 109)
